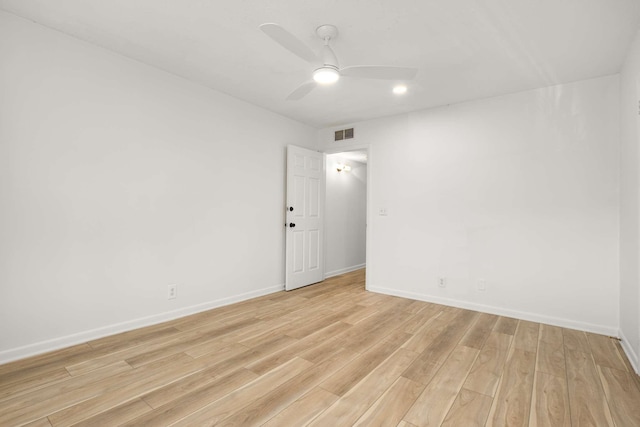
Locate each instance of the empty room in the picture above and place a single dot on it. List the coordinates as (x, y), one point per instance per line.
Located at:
(326, 213)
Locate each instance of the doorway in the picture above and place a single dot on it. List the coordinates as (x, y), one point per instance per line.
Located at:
(346, 211)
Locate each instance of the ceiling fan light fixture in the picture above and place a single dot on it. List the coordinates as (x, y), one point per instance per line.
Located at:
(329, 71)
(326, 75)
(400, 89)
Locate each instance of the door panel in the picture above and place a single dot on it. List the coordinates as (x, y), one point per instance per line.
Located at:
(304, 225)
(314, 246)
(298, 251)
(299, 183)
(314, 198)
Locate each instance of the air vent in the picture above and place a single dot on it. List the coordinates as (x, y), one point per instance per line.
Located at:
(343, 134)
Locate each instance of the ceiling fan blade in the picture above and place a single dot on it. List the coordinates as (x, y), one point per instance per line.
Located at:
(302, 91)
(289, 42)
(379, 72)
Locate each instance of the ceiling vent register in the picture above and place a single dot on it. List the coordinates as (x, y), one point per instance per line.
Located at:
(343, 134)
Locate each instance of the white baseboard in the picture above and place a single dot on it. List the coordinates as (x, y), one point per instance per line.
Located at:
(343, 270)
(630, 352)
(82, 337)
(533, 317)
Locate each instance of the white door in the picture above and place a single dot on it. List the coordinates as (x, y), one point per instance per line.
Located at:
(305, 217)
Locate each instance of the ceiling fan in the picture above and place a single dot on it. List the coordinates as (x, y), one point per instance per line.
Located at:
(329, 71)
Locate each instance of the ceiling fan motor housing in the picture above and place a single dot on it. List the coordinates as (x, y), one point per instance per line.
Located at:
(328, 57)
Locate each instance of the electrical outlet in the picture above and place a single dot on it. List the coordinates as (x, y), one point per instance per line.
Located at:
(442, 282)
(482, 285)
(172, 291)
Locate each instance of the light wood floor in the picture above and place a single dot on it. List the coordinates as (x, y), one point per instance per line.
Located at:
(329, 355)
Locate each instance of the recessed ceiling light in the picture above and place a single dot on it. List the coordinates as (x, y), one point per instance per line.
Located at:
(400, 89)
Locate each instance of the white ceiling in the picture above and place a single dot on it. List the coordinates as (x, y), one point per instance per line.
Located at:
(465, 49)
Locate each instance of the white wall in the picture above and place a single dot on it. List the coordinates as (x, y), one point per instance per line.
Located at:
(116, 180)
(345, 216)
(629, 212)
(519, 190)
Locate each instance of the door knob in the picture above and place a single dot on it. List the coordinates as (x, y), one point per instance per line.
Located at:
(291, 225)
(290, 208)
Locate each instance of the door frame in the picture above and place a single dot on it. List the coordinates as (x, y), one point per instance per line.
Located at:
(369, 214)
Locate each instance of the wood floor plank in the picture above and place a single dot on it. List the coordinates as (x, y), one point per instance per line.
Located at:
(37, 366)
(372, 299)
(550, 359)
(42, 422)
(506, 325)
(389, 409)
(309, 328)
(551, 334)
(488, 367)
(275, 401)
(183, 405)
(277, 358)
(479, 331)
(347, 377)
(189, 340)
(259, 340)
(421, 319)
(470, 409)
(402, 304)
(587, 401)
(157, 344)
(118, 414)
(216, 350)
(526, 336)
(249, 356)
(113, 394)
(109, 358)
(576, 340)
(330, 354)
(439, 346)
(45, 379)
(193, 382)
(46, 400)
(134, 338)
(368, 332)
(246, 334)
(304, 409)
(623, 395)
(433, 404)
(356, 401)
(627, 363)
(416, 307)
(512, 402)
(550, 401)
(430, 331)
(366, 312)
(604, 352)
(422, 370)
(303, 311)
(345, 306)
(61, 399)
(220, 409)
(392, 341)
